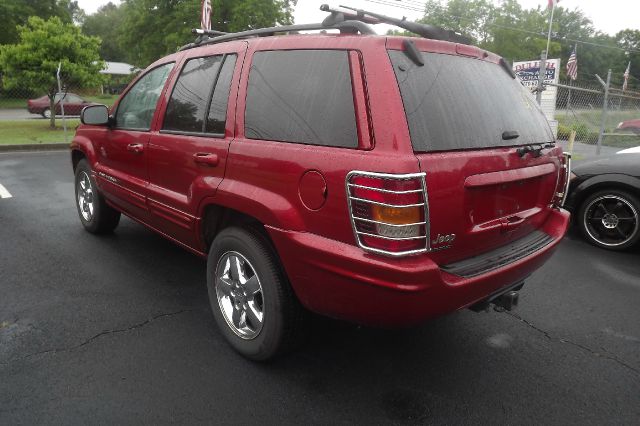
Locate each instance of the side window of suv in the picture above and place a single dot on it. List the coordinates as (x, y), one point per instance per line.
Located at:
(301, 96)
(136, 109)
(202, 91)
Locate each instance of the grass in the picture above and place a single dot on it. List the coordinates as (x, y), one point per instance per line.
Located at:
(18, 132)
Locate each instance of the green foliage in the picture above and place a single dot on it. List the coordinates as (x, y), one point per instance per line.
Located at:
(17, 12)
(33, 62)
(159, 27)
(105, 23)
(521, 34)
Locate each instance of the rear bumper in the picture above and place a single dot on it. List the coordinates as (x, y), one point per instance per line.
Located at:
(342, 281)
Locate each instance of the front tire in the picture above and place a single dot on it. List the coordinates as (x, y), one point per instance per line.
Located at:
(95, 214)
(46, 113)
(610, 219)
(252, 301)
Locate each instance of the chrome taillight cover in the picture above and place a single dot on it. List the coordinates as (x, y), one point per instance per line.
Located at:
(415, 231)
(560, 194)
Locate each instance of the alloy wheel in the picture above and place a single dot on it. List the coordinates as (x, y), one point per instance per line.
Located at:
(611, 220)
(240, 295)
(84, 195)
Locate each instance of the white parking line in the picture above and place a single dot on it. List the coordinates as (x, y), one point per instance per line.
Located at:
(4, 193)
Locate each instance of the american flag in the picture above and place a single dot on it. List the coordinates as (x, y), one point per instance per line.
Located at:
(572, 65)
(205, 20)
(626, 77)
(552, 3)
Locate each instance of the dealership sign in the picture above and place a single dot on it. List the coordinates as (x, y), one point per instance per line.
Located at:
(528, 73)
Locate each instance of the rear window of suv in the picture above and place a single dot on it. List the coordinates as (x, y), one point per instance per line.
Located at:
(456, 102)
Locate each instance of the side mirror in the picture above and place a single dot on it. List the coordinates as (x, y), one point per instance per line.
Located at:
(95, 115)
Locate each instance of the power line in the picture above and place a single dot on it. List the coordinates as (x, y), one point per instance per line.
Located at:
(399, 5)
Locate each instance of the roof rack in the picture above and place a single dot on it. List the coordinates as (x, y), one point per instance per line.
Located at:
(349, 21)
(212, 37)
(423, 30)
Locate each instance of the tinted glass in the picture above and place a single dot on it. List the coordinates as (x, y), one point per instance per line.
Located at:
(301, 96)
(455, 102)
(136, 109)
(218, 108)
(188, 103)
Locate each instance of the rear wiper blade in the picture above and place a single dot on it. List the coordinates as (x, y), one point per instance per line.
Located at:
(510, 134)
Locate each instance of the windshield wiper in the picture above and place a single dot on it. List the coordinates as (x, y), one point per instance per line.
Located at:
(510, 134)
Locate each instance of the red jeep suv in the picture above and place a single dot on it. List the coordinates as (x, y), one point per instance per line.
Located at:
(378, 179)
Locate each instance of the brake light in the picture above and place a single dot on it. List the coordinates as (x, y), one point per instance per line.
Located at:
(389, 212)
(562, 185)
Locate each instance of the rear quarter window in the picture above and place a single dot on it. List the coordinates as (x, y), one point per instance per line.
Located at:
(456, 102)
(301, 96)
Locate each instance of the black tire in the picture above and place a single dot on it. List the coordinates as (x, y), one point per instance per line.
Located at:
(103, 218)
(610, 219)
(45, 112)
(283, 318)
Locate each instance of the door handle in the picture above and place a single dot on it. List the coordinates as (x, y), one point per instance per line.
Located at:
(206, 159)
(136, 148)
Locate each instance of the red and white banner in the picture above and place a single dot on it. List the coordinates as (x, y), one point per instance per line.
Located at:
(205, 20)
(553, 3)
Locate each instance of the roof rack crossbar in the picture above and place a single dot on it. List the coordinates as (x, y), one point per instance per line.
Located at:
(423, 30)
(347, 26)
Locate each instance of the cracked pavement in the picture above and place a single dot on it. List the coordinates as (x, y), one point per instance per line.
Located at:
(118, 329)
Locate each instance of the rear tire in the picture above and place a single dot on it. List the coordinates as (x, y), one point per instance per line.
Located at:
(251, 299)
(95, 214)
(46, 113)
(610, 219)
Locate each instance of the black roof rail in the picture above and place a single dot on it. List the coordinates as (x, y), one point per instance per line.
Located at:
(345, 26)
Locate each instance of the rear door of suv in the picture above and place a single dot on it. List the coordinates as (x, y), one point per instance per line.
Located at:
(469, 121)
(187, 154)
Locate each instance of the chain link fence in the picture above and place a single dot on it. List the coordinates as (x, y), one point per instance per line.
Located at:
(592, 118)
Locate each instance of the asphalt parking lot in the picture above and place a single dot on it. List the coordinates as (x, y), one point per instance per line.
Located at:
(118, 330)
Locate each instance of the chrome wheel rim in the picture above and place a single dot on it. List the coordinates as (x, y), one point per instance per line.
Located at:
(239, 294)
(47, 113)
(611, 220)
(84, 195)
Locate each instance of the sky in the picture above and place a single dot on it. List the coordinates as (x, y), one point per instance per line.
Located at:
(609, 16)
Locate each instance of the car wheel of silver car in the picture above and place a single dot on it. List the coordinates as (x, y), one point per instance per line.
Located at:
(46, 113)
(95, 214)
(611, 219)
(252, 301)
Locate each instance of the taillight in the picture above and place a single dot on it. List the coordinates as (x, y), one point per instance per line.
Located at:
(389, 212)
(562, 185)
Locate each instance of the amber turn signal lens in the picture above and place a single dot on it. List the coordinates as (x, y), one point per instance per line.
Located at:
(396, 215)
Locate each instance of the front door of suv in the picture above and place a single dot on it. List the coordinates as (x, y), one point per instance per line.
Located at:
(122, 166)
(188, 154)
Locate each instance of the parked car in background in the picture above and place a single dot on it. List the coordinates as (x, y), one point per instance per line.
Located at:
(604, 196)
(634, 150)
(631, 125)
(73, 104)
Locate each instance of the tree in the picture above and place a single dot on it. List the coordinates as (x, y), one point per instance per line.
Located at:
(17, 12)
(105, 23)
(159, 27)
(43, 45)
